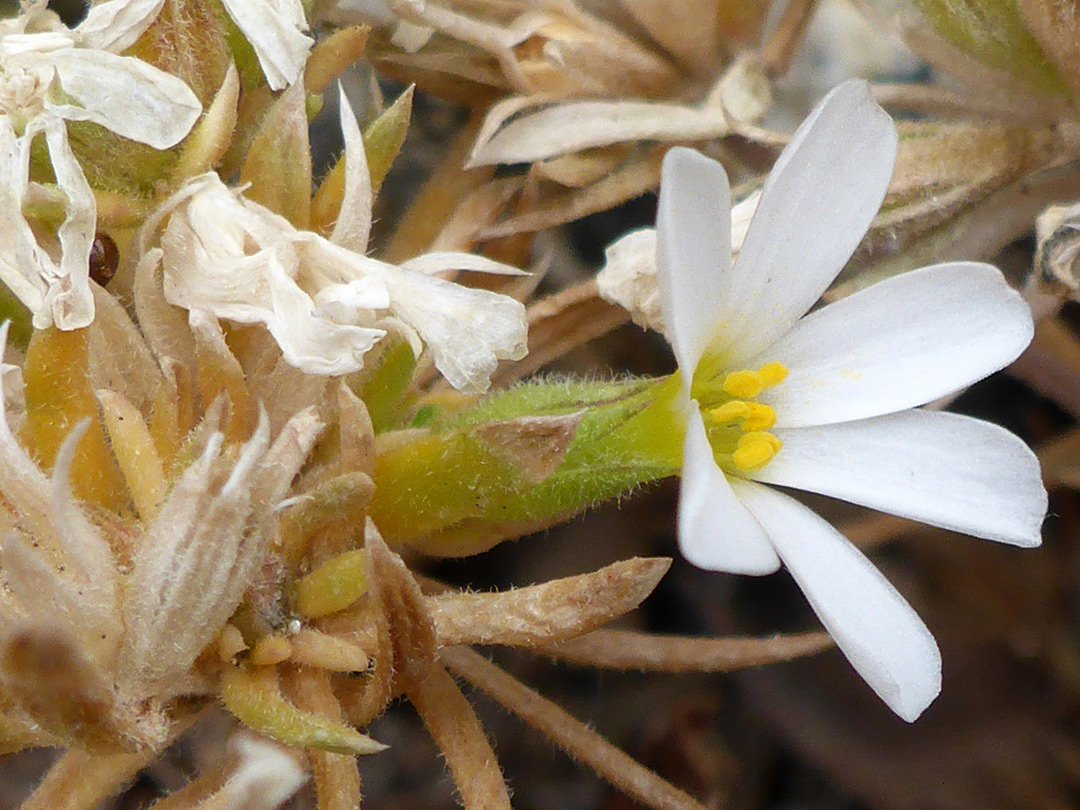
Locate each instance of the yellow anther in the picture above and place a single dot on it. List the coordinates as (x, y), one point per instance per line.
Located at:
(760, 417)
(755, 450)
(772, 373)
(745, 384)
(730, 411)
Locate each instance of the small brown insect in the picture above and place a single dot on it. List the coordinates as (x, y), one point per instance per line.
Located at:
(104, 259)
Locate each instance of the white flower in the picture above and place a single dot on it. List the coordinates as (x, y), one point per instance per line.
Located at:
(49, 74)
(822, 401)
(323, 300)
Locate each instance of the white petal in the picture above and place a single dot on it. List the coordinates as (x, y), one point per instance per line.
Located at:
(125, 95)
(24, 267)
(309, 342)
(820, 198)
(467, 330)
(716, 532)
(882, 637)
(353, 226)
(273, 28)
(69, 297)
(115, 25)
(693, 251)
(940, 468)
(898, 344)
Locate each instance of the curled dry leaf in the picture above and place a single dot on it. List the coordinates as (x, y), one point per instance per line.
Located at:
(547, 613)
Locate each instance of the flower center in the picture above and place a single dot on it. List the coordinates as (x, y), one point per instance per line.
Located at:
(22, 91)
(737, 425)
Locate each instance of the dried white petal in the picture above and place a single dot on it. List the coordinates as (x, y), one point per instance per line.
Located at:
(115, 25)
(572, 126)
(273, 27)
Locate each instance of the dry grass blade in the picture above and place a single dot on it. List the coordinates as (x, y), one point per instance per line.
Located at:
(457, 731)
(626, 649)
(559, 324)
(568, 732)
(547, 613)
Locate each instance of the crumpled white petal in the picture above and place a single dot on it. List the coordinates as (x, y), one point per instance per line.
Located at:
(54, 293)
(125, 95)
(467, 330)
(327, 305)
(939, 468)
(693, 252)
(273, 27)
(716, 532)
(882, 637)
(69, 299)
(441, 261)
(115, 25)
(817, 204)
(206, 269)
(900, 343)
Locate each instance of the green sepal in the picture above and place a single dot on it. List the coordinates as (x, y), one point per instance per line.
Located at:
(479, 476)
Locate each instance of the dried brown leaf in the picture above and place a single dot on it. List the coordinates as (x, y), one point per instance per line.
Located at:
(547, 613)
(1056, 26)
(69, 696)
(571, 126)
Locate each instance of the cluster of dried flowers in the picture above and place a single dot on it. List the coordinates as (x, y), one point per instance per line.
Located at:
(230, 434)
